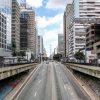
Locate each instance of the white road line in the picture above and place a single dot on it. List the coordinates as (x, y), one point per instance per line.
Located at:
(35, 94)
(39, 81)
(26, 81)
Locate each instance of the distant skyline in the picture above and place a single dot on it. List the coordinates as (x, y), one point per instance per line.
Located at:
(49, 15)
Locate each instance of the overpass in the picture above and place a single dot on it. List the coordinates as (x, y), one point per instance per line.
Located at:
(90, 70)
(6, 72)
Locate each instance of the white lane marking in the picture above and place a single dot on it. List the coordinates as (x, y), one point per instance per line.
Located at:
(39, 81)
(26, 81)
(35, 94)
(65, 86)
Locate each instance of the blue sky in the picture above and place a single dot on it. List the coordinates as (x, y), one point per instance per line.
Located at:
(49, 15)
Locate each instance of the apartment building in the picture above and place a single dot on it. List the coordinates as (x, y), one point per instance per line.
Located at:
(29, 28)
(16, 24)
(82, 12)
(5, 27)
(93, 39)
(23, 30)
(66, 25)
(40, 45)
(61, 44)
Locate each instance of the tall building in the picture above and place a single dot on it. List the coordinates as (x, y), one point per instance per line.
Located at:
(23, 4)
(93, 42)
(61, 44)
(44, 52)
(28, 32)
(64, 33)
(23, 30)
(86, 8)
(82, 12)
(92, 36)
(5, 27)
(16, 24)
(68, 27)
(40, 45)
(31, 30)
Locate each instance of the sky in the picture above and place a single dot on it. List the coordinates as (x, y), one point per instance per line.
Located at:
(49, 16)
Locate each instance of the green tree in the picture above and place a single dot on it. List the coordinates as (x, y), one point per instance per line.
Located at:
(79, 56)
(57, 57)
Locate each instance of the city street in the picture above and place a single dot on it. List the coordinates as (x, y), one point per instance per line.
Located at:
(52, 81)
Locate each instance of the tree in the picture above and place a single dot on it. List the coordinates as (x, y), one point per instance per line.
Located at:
(79, 56)
(57, 57)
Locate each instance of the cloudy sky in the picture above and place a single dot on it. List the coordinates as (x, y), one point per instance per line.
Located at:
(49, 15)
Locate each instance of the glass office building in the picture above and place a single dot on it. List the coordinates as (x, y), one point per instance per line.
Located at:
(5, 27)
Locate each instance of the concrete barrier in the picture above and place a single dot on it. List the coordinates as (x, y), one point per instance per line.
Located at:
(90, 70)
(13, 70)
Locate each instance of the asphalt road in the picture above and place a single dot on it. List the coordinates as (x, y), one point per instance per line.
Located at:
(52, 81)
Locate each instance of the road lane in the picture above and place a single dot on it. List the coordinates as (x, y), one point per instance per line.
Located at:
(36, 88)
(72, 88)
(52, 82)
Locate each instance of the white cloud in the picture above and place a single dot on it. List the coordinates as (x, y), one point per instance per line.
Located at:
(57, 4)
(46, 21)
(51, 38)
(33, 3)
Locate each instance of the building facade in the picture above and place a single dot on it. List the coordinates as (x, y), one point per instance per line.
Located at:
(16, 24)
(81, 12)
(92, 35)
(23, 30)
(31, 31)
(93, 40)
(61, 44)
(30, 34)
(40, 45)
(5, 27)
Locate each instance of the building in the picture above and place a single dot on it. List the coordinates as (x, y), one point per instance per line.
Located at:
(23, 30)
(40, 52)
(82, 13)
(68, 27)
(86, 8)
(92, 35)
(28, 29)
(40, 45)
(44, 52)
(16, 24)
(5, 27)
(61, 44)
(64, 33)
(31, 31)
(93, 40)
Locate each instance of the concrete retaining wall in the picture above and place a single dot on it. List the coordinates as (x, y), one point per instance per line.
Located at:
(90, 70)
(10, 71)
